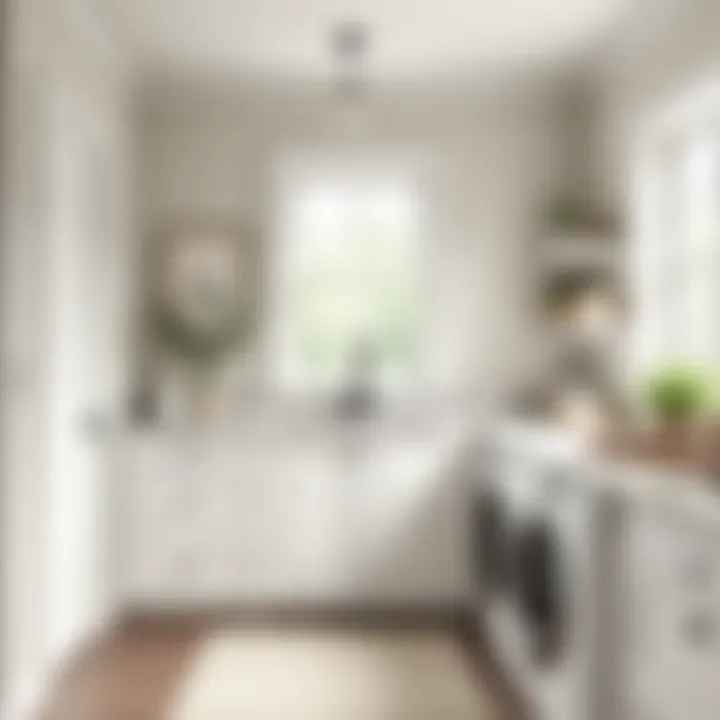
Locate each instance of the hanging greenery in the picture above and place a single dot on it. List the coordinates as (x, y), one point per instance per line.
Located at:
(199, 344)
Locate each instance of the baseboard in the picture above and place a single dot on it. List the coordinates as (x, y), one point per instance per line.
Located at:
(375, 615)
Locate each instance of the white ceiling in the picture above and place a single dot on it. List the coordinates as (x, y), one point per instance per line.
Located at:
(410, 39)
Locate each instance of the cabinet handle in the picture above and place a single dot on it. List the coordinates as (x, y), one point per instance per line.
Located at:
(700, 629)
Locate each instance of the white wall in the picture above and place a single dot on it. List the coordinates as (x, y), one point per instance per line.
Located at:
(61, 56)
(660, 50)
(491, 160)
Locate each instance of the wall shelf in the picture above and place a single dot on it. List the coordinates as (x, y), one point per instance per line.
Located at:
(579, 252)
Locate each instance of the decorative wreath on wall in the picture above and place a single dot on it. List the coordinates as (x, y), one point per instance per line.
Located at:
(203, 293)
(200, 345)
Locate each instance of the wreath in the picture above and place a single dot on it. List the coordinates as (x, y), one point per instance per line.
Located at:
(199, 344)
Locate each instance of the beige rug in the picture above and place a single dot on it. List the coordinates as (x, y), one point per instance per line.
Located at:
(302, 675)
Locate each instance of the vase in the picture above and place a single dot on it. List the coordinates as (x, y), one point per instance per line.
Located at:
(204, 400)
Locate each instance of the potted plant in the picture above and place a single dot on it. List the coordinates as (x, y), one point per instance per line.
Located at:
(677, 395)
(201, 347)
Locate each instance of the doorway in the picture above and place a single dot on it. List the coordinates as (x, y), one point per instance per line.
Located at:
(76, 478)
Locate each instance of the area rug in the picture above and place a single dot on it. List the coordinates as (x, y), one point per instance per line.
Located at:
(303, 675)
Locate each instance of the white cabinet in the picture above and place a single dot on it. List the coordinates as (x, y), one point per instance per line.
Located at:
(673, 621)
(407, 536)
(220, 521)
(216, 521)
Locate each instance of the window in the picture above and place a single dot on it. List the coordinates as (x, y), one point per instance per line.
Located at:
(349, 278)
(677, 251)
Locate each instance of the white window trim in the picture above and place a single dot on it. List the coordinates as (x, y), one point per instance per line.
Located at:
(686, 115)
(290, 170)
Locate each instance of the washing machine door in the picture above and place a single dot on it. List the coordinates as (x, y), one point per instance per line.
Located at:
(559, 601)
(540, 590)
(490, 543)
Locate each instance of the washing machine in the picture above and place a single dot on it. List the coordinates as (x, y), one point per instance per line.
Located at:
(544, 616)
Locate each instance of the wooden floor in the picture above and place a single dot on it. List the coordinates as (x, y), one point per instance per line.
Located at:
(133, 673)
(129, 675)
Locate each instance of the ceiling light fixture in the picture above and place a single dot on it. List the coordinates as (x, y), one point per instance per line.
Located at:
(350, 42)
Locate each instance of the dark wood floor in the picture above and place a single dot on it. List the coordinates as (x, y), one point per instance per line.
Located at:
(128, 675)
(132, 673)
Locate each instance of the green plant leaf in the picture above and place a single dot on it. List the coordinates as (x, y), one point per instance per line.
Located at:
(678, 392)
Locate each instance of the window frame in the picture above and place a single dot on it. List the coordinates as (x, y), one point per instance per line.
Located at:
(292, 170)
(659, 208)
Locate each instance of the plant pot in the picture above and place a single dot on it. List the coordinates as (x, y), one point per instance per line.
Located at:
(675, 439)
(203, 400)
(709, 449)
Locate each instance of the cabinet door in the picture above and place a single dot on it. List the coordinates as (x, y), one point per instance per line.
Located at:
(146, 496)
(170, 511)
(675, 580)
(404, 510)
(652, 642)
(308, 527)
(276, 526)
